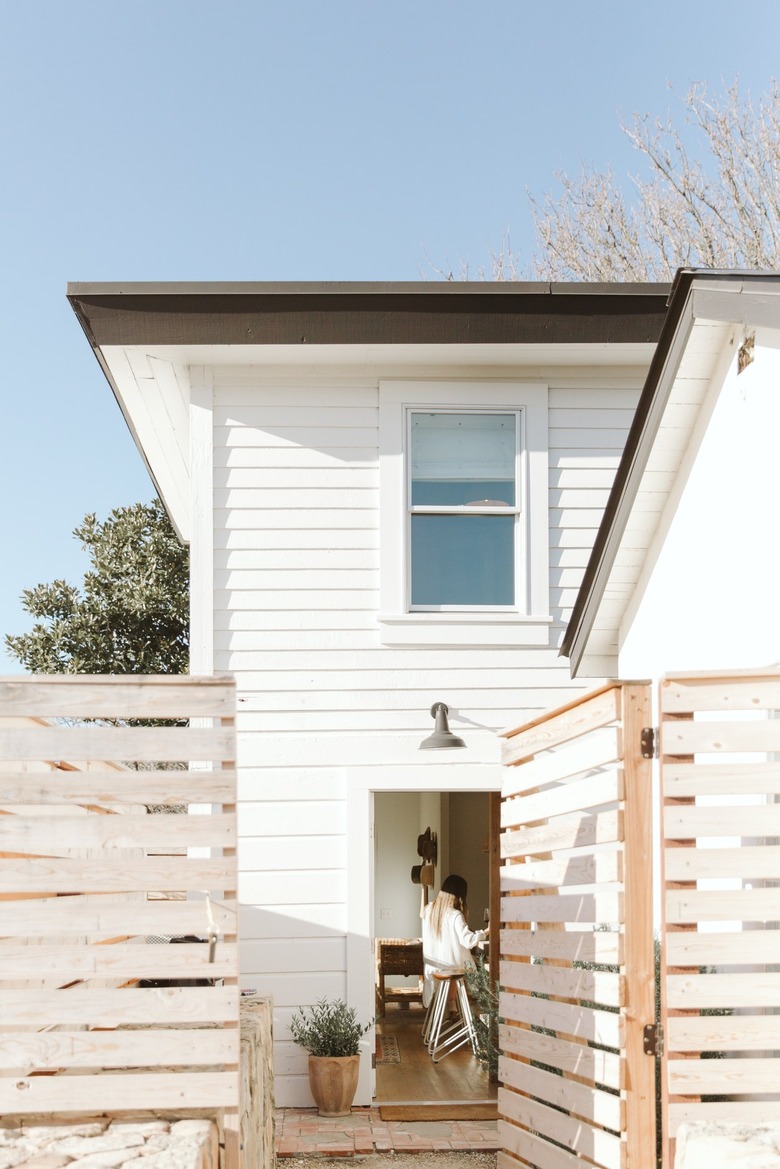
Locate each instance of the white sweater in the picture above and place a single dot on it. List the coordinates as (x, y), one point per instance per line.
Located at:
(449, 950)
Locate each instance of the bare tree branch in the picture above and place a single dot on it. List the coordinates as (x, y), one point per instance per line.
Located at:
(708, 196)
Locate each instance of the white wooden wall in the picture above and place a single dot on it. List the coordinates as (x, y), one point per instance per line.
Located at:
(296, 587)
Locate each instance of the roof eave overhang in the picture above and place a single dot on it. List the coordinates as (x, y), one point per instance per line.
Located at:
(714, 297)
(141, 332)
(309, 314)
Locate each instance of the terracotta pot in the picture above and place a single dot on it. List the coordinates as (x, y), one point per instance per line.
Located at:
(333, 1081)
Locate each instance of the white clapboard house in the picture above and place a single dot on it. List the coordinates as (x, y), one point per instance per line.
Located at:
(390, 493)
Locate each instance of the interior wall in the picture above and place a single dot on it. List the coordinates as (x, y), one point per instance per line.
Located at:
(468, 833)
(397, 819)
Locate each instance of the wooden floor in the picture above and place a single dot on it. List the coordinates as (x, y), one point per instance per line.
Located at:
(417, 1087)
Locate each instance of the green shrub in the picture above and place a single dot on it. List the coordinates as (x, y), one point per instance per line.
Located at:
(328, 1028)
(484, 996)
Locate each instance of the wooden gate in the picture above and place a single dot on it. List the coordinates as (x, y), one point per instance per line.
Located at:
(100, 866)
(720, 777)
(576, 946)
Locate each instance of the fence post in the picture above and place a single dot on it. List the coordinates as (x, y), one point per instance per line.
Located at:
(639, 970)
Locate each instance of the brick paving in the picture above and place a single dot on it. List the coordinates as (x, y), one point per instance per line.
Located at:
(300, 1131)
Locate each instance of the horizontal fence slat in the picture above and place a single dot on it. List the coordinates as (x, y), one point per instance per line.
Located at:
(572, 721)
(723, 1033)
(596, 986)
(575, 796)
(122, 961)
(597, 869)
(683, 822)
(533, 1149)
(139, 874)
(743, 948)
(108, 919)
(688, 695)
(721, 779)
(745, 862)
(730, 1076)
(118, 787)
(582, 1100)
(605, 905)
(687, 906)
(603, 1027)
(692, 737)
(600, 1067)
(601, 946)
(78, 1094)
(728, 1111)
(118, 1049)
(109, 696)
(110, 1008)
(719, 991)
(599, 749)
(142, 744)
(35, 834)
(593, 1143)
(564, 832)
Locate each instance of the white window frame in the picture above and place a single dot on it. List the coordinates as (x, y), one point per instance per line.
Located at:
(525, 623)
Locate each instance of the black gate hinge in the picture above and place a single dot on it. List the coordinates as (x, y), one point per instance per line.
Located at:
(653, 1039)
(648, 743)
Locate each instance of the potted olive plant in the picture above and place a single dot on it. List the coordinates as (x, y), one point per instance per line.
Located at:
(331, 1034)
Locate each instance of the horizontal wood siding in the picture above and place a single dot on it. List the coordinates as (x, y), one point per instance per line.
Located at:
(296, 578)
(588, 427)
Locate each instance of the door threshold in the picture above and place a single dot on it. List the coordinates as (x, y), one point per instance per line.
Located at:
(438, 1109)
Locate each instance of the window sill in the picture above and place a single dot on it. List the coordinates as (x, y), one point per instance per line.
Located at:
(464, 629)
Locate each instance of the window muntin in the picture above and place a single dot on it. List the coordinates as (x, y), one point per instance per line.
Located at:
(463, 508)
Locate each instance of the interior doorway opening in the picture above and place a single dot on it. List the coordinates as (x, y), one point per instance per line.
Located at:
(464, 826)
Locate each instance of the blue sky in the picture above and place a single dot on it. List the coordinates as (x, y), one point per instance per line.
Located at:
(285, 140)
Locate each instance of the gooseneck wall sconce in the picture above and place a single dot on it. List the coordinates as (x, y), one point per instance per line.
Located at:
(442, 737)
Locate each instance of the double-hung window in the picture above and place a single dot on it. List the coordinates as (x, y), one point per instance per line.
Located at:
(464, 550)
(463, 508)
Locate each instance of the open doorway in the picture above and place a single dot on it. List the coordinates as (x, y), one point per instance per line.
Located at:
(465, 827)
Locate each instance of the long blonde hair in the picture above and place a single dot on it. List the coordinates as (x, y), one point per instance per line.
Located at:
(451, 896)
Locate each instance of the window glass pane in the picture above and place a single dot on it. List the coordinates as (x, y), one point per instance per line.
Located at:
(463, 458)
(463, 560)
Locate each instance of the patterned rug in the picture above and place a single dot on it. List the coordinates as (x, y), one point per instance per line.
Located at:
(387, 1049)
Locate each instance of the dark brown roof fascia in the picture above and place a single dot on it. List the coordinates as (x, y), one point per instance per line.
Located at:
(368, 313)
(635, 453)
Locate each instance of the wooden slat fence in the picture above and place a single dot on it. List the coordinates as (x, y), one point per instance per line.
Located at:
(103, 858)
(576, 971)
(720, 779)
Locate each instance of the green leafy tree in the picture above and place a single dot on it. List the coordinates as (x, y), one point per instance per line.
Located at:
(131, 615)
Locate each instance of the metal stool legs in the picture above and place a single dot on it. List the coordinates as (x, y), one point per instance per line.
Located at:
(441, 1035)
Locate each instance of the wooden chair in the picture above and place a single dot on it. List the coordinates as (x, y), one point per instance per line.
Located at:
(398, 956)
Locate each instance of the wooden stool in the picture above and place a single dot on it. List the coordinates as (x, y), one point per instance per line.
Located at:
(440, 1034)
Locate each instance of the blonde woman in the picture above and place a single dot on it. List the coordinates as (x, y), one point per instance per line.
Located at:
(447, 939)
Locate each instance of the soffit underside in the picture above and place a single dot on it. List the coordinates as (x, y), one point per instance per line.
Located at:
(634, 355)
